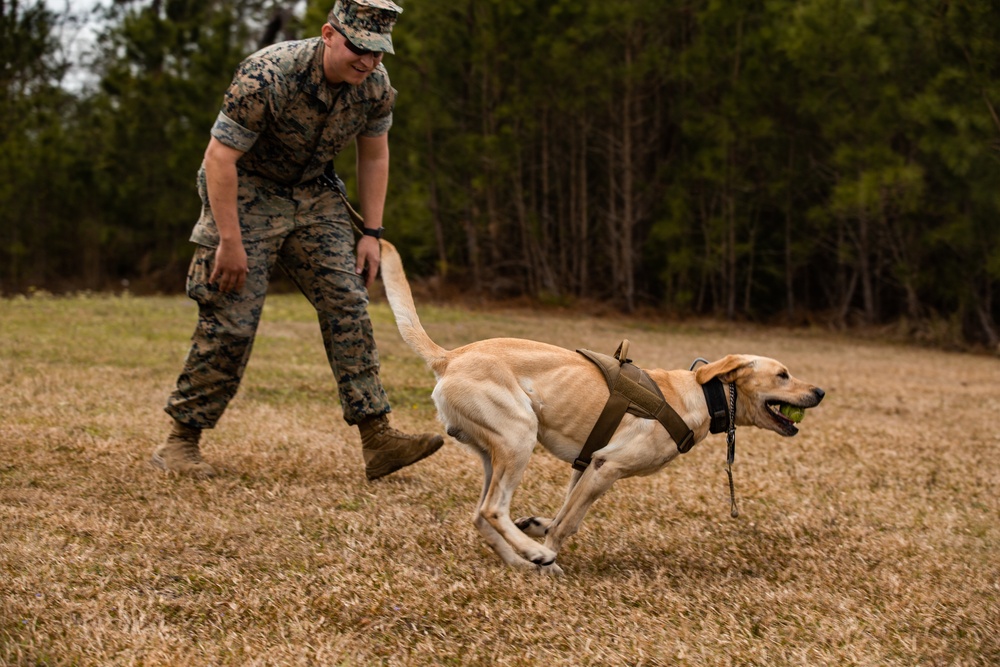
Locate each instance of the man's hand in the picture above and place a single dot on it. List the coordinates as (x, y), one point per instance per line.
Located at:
(369, 255)
(230, 270)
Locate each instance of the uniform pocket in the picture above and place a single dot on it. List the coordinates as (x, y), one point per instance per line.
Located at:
(198, 287)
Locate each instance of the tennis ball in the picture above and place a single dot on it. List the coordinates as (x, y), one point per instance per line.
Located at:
(794, 413)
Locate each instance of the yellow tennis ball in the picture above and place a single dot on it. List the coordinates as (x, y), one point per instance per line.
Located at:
(792, 412)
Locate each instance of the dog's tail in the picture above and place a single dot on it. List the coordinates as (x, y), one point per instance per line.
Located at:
(397, 291)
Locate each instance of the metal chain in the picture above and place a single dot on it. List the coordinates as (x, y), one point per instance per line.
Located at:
(731, 450)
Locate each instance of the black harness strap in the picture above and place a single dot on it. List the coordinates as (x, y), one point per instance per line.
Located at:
(633, 391)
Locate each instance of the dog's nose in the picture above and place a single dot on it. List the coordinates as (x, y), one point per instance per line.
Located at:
(819, 393)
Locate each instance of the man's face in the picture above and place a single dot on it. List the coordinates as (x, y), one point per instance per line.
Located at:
(343, 62)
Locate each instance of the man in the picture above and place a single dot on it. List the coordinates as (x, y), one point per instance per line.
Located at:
(268, 197)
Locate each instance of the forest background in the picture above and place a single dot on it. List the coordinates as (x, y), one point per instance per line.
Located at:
(832, 161)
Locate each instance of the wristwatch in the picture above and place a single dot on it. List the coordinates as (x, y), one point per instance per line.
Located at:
(377, 233)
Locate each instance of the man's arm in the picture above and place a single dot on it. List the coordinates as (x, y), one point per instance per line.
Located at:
(230, 270)
(373, 181)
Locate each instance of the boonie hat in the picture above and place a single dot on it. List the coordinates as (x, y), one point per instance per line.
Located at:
(367, 23)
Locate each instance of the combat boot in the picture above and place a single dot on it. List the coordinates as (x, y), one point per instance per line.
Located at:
(180, 453)
(386, 450)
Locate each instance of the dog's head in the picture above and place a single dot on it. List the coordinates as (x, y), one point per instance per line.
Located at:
(763, 387)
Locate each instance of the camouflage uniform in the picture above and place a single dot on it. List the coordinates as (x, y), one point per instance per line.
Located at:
(290, 123)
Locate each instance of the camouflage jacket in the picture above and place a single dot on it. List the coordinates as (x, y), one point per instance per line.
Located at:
(290, 123)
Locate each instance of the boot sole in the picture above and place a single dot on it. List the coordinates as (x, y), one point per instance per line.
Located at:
(157, 461)
(384, 470)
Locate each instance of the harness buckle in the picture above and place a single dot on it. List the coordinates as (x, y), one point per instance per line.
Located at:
(685, 445)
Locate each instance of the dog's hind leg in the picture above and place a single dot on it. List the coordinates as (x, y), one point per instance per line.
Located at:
(538, 526)
(509, 459)
(494, 416)
(489, 533)
(495, 539)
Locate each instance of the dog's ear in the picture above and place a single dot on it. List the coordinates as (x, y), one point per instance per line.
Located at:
(728, 369)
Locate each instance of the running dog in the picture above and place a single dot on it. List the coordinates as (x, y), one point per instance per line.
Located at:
(500, 396)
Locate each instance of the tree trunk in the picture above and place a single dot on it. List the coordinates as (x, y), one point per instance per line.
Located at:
(488, 130)
(627, 265)
(545, 254)
(582, 245)
(789, 269)
(864, 264)
(730, 264)
(472, 245)
(751, 261)
(434, 203)
(612, 218)
(531, 283)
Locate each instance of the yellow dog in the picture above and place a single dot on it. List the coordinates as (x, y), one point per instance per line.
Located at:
(500, 396)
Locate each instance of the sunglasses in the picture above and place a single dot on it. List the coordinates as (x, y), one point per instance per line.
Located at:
(355, 49)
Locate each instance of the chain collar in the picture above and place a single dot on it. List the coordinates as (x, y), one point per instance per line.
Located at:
(731, 450)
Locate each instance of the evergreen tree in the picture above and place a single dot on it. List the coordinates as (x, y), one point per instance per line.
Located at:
(762, 159)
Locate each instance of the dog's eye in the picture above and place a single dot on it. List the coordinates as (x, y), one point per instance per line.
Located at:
(783, 375)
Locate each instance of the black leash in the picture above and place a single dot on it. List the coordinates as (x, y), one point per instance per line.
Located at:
(330, 179)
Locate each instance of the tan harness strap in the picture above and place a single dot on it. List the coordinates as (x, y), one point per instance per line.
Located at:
(631, 383)
(633, 391)
(600, 435)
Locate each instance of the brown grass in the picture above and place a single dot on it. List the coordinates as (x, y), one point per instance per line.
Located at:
(869, 539)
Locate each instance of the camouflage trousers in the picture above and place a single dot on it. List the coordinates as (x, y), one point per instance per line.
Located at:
(320, 259)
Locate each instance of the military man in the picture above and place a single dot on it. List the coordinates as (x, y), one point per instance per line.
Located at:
(270, 196)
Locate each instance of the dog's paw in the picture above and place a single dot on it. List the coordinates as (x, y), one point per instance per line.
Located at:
(540, 555)
(551, 570)
(534, 526)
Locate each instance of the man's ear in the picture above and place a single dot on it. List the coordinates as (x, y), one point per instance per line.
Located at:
(327, 32)
(727, 369)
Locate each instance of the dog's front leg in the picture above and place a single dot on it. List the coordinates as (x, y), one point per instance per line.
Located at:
(595, 480)
(538, 526)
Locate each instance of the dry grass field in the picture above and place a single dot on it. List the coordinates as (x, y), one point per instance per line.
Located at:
(871, 538)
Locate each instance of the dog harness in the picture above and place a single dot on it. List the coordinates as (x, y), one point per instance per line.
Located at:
(632, 391)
